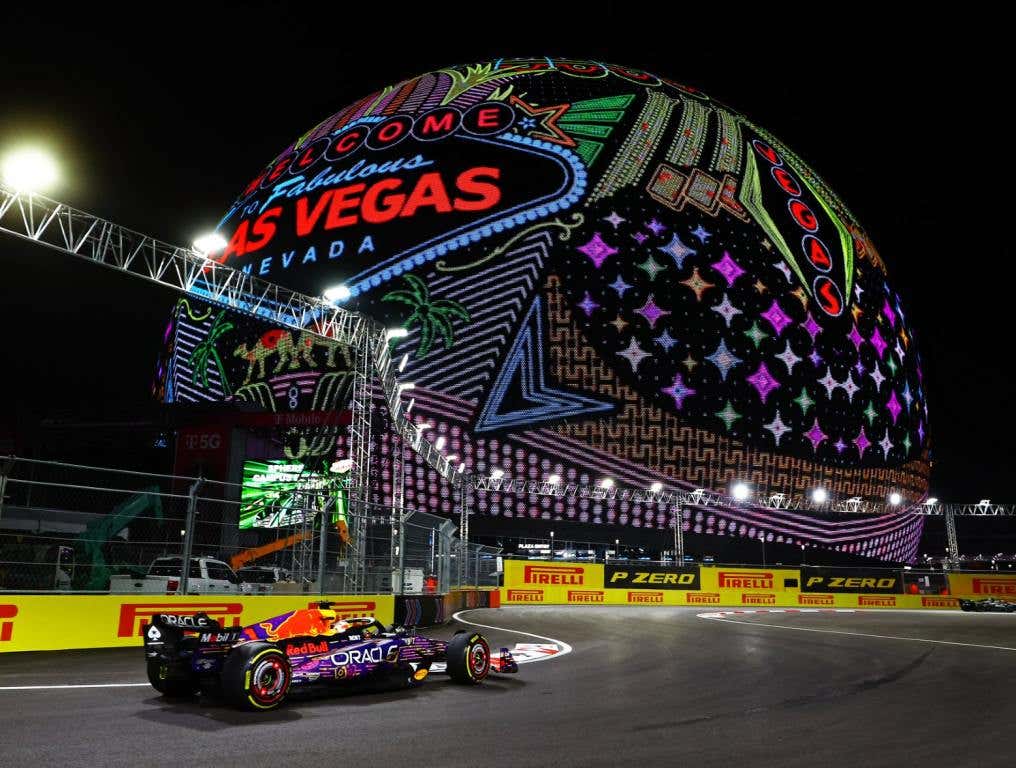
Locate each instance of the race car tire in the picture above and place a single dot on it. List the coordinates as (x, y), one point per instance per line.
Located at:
(256, 676)
(159, 675)
(468, 658)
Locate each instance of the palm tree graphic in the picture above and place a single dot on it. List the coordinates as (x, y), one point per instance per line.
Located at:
(434, 316)
(206, 350)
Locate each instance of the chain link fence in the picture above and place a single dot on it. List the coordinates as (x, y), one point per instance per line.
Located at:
(73, 528)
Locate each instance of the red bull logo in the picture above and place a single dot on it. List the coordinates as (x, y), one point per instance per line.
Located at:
(751, 599)
(585, 596)
(134, 616)
(296, 624)
(307, 649)
(553, 574)
(877, 601)
(7, 627)
(994, 586)
(346, 609)
(815, 600)
(525, 595)
(745, 580)
(645, 597)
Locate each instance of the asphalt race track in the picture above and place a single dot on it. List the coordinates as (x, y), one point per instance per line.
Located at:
(641, 686)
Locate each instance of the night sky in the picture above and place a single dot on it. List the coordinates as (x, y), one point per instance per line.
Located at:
(159, 123)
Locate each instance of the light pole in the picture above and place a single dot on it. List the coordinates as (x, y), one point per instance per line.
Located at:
(551, 545)
(803, 556)
(762, 538)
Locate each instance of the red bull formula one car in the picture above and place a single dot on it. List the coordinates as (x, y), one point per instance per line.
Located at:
(255, 667)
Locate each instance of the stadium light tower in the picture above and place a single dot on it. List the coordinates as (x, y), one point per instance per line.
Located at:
(895, 498)
(819, 495)
(656, 487)
(337, 293)
(30, 169)
(740, 492)
(210, 242)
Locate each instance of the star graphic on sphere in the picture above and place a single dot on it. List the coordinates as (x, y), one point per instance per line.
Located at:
(679, 391)
(907, 397)
(619, 323)
(856, 311)
(801, 296)
(906, 443)
(597, 250)
(701, 234)
(856, 337)
(766, 244)
(891, 365)
(859, 367)
(777, 318)
(588, 305)
(665, 340)
(811, 327)
(887, 310)
(614, 220)
(760, 287)
(728, 268)
(777, 427)
(696, 284)
(858, 290)
(899, 351)
(815, 435)
(876, 374)
(870, 413)
(920, 432)
(804, 401)
(829, 382)
(729, 415)
(677, 250)
(862, 442)
(878, 343)
(905, 337)
(839, 445)
(782, 266)
(886, 445)
(689, 363)
(651, 312)
(640, 237)
(655, 227)
(726, 310)
(815, 357)
(620, 286)
(850, 387)
(634, 354)
(893, 406)
(788, 357)
(651, 267)
(763, 381)
(756, 334)
(723, 359)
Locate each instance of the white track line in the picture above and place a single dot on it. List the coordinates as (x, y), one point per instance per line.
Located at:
(857, 634)
(56, 687)
(565, 648)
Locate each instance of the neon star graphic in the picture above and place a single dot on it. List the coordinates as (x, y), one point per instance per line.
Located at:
(677, 250)
(665, 340)
(862, 442)
(920, 433)
(701, 234)
(887, 310)
(815, 435)
(899, 351)
(587, 305)
(696, 284)
(760, 287)
(876, 374)
(858, 290)
(766, 244)
(597, 250)
(886, 445)
(850, 387)
(651, 267)
(723, 359)
(906, 443)
(546, 118)
(620, 286)
(859, 367)
(634, 354)
(651, 312)
(619, 323)
(801, 296)
(777, 427)
(891, 365)
(788, 357)
(829, 382)
(856, 337)
(777, 318)
(856, 311)
(839, 445)
(640, 237)
(804, 402)
(655, 227)
(878, 343)
(728, 268)
(679, 391)
(870, 414)
(729, 415)
(756, 334)
(815, 357)
(811, 327)
(726, 310)
(782, 266)
(907, 397)
(614, 220)
(689, 363)
(893, 406)
(763, 381)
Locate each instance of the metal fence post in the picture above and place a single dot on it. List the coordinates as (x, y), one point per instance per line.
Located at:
(188, 534)
(952, 541)
(322, 549)
(5, 468)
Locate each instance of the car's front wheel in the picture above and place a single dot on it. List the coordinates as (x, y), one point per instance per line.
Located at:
(256, 676)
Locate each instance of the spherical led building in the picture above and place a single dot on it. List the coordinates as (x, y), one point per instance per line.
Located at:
(605, 273)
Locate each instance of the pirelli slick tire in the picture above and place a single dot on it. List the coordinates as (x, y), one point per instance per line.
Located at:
(256, 676)
(468, 658)
(161, 676)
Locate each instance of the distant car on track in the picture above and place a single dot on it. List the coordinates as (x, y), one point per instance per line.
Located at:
(254, 667)
(988, 605)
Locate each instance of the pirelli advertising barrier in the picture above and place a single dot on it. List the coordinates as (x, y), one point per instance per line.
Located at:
(633, 583)
(58, 622)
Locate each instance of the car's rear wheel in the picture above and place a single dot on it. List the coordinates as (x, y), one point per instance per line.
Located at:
(168, 682)
(256, 676)
(468, 658)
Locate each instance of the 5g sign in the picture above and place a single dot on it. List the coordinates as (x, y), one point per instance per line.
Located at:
(202, 441)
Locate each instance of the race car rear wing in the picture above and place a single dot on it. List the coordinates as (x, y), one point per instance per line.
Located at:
(168, 632)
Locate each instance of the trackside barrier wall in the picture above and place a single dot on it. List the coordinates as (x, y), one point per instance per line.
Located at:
(427, 610)
(529, 582)
(59, 622)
